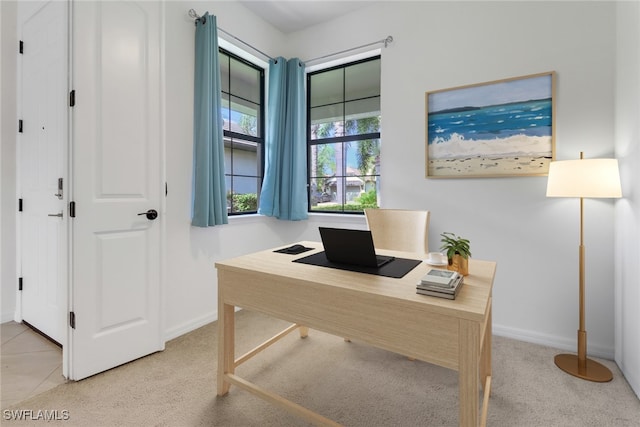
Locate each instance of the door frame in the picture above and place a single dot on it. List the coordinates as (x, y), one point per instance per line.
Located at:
(26, 10)
(66, 353)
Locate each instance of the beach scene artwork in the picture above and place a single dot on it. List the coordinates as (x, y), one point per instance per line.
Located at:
(500, 128)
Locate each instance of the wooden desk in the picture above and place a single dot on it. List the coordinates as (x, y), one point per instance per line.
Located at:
(381, 311)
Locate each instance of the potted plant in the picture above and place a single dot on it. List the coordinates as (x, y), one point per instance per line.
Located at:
(458, 252)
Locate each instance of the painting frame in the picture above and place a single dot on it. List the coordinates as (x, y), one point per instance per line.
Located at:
(500, 128)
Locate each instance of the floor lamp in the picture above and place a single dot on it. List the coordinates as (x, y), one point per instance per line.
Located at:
(583, 178)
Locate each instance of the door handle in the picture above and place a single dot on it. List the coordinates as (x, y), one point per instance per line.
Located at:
(59, 215)
(151, 214)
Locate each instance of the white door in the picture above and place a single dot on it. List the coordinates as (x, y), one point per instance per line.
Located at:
(117, 174)
(42, 152)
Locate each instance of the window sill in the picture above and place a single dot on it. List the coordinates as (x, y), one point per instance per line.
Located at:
(249, 218)
(313, 217)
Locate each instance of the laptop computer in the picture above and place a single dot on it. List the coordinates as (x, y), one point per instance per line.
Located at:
(346, 246)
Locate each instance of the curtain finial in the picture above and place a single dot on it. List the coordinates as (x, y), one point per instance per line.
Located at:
(193, 14)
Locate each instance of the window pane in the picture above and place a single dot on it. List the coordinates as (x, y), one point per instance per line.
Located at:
(244, 117)
(362, 157)
(326, 88)
(245, 81)
(362, 116)
(320, 193)
(362, 80)
(326, 122)
(246, 158)
(244, 197)
(226, 112)
(345, 194)
(224, 71)
(327, 113)
(326, 160)
(241, 117)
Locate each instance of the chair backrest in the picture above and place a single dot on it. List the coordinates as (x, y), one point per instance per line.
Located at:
(399, 230)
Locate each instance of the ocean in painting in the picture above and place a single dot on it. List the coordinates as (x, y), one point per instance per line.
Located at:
(504, 131)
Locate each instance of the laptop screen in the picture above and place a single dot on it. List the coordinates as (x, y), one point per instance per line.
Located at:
(348, 246)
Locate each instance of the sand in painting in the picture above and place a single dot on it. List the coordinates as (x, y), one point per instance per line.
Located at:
(488, 166)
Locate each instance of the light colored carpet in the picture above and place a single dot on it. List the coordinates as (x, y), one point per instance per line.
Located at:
(351, 383)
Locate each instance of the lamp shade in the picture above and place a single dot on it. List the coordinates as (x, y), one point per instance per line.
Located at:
(584, 178)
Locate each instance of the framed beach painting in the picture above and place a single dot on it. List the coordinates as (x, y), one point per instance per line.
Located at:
(499, 128)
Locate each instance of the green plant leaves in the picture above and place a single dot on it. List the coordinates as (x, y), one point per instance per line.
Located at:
(453, 245)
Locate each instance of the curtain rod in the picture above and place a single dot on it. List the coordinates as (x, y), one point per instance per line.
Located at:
(386, 42)
(194, 15)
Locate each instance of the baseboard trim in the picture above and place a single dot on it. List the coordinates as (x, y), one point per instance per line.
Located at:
(634, 382)
(8, 317)
(192, 325)
(560, 343)
(554, 341)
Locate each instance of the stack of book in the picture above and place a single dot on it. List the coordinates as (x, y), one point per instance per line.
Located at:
(440, 283)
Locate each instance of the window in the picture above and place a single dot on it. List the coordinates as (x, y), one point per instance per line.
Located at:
(243, 116)
(343, 137)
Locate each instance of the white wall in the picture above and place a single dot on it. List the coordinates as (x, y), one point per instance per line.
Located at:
(627, 143)
(436, 45)
(8, 55)
(534, 239)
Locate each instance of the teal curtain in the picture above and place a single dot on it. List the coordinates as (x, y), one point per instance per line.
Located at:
(284, 188)
(209, 193)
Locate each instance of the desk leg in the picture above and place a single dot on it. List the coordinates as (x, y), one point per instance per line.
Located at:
(468, 372)
(226, 345)
(485, 357)
(304, 331)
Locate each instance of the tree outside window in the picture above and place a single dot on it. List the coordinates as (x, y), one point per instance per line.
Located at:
(344, 137)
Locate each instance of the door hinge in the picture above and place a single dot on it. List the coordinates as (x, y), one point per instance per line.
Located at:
(19, 205)
(72, 209)
(21, 47)
(20, 126)
(72, 319)
(19, 283)
(72, 98)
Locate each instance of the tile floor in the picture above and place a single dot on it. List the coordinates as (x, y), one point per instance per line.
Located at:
(30, 363)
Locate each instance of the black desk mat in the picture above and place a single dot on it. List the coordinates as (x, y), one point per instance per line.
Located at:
(396, 268)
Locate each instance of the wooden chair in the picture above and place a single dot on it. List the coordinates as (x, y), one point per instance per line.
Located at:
(399, 230)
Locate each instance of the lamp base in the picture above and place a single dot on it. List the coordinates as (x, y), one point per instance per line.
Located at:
(593, 370)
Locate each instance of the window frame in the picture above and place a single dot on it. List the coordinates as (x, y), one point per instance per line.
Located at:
(336, 139)
(230, 136)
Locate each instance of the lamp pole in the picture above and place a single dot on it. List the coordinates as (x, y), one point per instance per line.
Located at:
(579, 366)
(582, 333)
